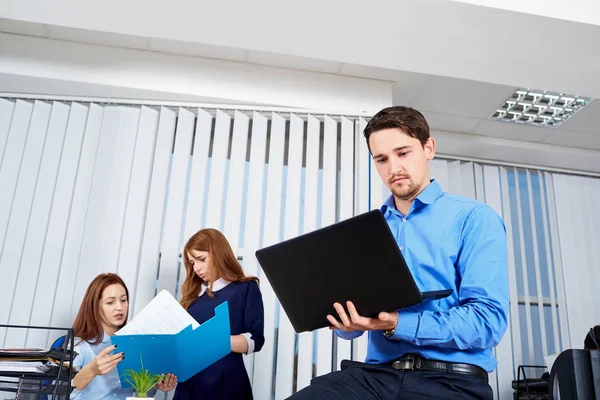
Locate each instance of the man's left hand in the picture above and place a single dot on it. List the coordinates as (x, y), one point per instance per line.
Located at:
(352, 321)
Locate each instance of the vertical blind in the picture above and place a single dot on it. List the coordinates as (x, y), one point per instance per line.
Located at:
(90, 188)
(578, 223)
(550, 227)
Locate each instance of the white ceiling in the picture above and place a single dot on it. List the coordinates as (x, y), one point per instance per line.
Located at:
(503, 44)
(458, 105)
(480, 47)
(586, 11)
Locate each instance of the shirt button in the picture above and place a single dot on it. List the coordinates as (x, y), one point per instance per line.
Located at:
(401, 248)
(403, 219)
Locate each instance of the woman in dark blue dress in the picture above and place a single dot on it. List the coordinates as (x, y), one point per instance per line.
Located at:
(213, 275)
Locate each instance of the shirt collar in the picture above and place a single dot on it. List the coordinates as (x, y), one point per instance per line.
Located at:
(428, 196)
(217, 285)
(431, 193)
(105, 338)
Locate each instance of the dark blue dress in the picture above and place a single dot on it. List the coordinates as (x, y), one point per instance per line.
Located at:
(227, 379)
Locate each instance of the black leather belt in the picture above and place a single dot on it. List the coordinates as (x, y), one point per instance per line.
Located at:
(414, 362)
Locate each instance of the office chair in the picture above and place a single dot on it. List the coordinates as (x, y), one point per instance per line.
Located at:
(577, 373)
(58, 343)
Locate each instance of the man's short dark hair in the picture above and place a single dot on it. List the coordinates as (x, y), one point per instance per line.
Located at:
(409, 120)
(592, 339)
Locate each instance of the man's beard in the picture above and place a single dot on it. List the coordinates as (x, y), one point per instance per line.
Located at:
(408, 190)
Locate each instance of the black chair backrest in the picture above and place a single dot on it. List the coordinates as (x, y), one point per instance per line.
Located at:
(577, 373)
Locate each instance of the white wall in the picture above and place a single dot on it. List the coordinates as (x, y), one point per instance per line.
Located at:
(62, 68)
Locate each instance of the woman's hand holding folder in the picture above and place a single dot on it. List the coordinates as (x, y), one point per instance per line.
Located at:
(167, 383)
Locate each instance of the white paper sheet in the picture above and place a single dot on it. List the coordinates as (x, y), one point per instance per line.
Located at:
(163, 315)
(22, 366)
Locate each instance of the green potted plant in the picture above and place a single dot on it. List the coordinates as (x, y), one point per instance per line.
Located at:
(142, 382)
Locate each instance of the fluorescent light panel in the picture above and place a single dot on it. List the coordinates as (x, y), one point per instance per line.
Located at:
(541, 108)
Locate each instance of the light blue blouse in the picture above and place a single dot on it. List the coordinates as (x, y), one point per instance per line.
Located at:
(106, 386)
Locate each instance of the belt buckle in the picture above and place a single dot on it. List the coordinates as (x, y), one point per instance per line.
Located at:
(410, 362)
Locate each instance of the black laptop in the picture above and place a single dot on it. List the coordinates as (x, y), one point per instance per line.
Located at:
(357, 259)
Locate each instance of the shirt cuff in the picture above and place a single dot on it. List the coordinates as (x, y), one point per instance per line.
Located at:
(248, 337)
(348, 335)
(75, 394)
(408, 324)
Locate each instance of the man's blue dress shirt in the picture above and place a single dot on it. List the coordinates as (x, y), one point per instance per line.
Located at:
(449, 242)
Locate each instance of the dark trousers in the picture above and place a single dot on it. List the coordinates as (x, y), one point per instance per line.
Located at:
(359, 381)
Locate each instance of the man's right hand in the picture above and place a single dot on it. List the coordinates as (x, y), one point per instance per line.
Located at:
(352, 321)
(104, 362)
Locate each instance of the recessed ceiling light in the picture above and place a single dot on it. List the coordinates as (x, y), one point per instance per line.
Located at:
(541, 108)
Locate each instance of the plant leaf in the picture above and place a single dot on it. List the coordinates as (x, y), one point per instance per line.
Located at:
(141, 381)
